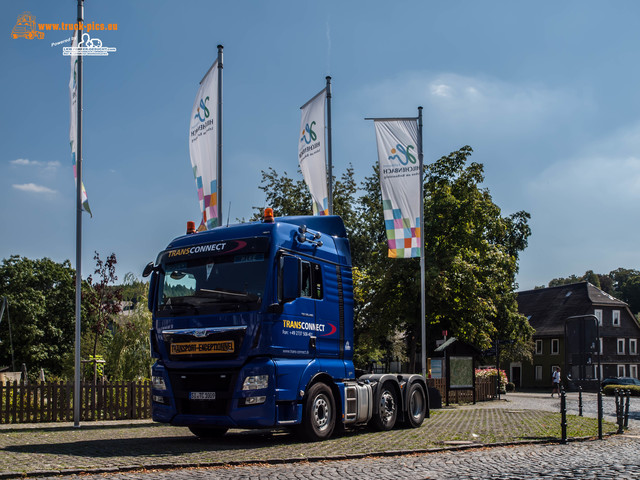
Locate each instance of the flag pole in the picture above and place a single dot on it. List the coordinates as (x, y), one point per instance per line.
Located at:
(77, 386)
(422, 248)
(329, 156)
(219, 135)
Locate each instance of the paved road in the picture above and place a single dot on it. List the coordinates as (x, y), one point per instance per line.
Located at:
(614, 458)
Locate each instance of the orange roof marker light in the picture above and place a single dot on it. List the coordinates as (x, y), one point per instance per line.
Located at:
(268, 215)
(191, 228)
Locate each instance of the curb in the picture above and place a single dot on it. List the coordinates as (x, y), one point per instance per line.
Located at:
(285, 461)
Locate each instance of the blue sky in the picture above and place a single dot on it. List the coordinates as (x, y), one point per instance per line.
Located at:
(546, 93)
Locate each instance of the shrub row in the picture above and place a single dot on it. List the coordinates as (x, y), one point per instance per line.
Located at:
(610, 389)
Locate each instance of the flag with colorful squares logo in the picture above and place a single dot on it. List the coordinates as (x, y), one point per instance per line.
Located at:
(400, 185)
(311, 150)
(203, 142)
(73, 124)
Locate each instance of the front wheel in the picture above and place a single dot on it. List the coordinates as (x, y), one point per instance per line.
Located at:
(387, 401)
(319, 415)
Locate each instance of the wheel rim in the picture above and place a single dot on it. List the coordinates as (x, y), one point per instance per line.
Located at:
(416, 404)
(387, 406)
(321, 412)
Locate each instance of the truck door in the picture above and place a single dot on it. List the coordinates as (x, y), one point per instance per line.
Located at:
(297, 324)
(329, 313)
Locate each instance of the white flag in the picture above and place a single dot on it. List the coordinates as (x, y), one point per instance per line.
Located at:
(400, 184)
(203, 147)
(311, 150)
(73, 123)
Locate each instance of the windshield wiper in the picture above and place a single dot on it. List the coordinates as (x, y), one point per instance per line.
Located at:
(226, 295)
(176, 306)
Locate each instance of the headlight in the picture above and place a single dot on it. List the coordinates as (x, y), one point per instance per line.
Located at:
(255, 382)
(158, 383)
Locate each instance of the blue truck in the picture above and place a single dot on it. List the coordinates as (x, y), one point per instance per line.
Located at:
(253, 328)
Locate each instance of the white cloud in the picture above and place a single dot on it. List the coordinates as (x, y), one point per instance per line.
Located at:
(33, 188)
(476, 106)
(27, 162)
(440, 90)
(21, 161)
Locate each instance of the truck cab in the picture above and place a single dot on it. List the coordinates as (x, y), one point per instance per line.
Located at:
(253, 328)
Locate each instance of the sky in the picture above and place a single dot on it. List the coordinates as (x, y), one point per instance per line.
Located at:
(546, 93)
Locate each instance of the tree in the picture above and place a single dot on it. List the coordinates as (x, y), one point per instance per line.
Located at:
(471, 254)
(128, 356)
(41, 302)
(103, 301)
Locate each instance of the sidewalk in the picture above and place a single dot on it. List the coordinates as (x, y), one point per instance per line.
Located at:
(53, 449)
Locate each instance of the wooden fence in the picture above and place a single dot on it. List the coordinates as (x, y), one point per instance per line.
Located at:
(53, 402)
(485, 390)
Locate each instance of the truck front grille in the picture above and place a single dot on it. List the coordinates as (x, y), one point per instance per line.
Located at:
(184, 382)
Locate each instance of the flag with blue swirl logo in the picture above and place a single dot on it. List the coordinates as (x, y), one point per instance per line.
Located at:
(311, 152)
(203, 147)
(73, 123)
(400, 184)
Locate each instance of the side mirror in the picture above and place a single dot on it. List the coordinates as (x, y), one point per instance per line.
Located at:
(290, 278)
(148, 270)
(153, 287)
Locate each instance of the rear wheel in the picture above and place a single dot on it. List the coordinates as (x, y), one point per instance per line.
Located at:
(319, 415)
(387, 402)
(416, 405)
(208, 432)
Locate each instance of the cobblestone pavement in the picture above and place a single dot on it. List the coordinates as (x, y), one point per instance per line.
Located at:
(110, 447)
(614, 458)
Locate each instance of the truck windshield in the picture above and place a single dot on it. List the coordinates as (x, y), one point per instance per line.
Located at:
(229, 283)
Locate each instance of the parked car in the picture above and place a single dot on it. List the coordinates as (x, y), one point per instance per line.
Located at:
(620, 381)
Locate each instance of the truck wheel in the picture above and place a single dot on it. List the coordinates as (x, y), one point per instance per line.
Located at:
(387, 401)
(208, 432)
(319, 416)
(417, 405)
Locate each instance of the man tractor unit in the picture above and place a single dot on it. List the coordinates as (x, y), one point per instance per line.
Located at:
(253, 328)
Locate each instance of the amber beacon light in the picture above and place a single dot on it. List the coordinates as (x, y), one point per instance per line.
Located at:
(268, 215)
(191, 227)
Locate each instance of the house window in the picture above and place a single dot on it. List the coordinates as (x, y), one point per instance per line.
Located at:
(538, 372)
(633, 371)
(621, 370)
(598, 314)
(633, 346)
(600, 345)
(615, 318)
(555, 346)
(620, 344)
(538, 347)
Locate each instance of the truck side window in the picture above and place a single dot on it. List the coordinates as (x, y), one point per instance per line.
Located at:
(316, 281)
(311, 281)
(305, 287)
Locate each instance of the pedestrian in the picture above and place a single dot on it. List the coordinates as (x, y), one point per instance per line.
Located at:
(555, 378)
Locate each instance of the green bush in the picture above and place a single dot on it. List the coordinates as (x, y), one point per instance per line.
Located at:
(511, 387)
(610, 389)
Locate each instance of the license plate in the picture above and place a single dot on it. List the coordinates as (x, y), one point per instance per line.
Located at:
(199, 348)
(202, 395)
